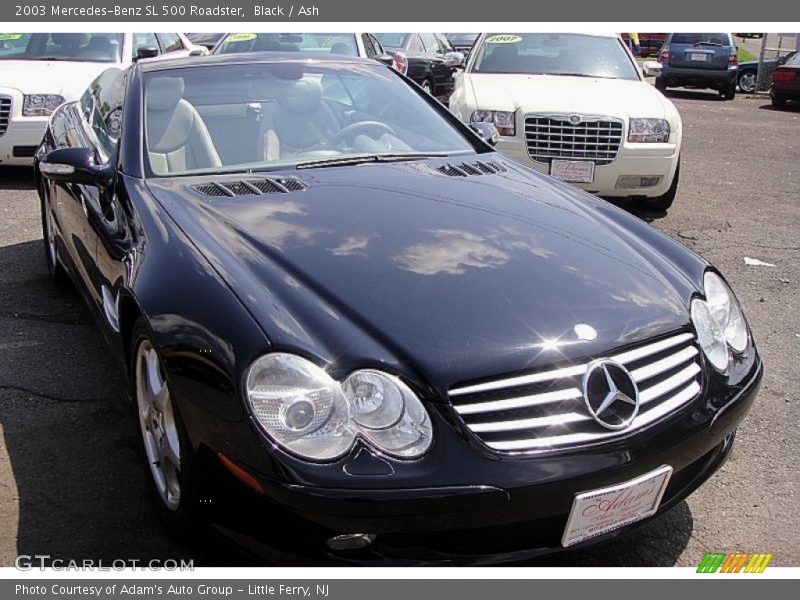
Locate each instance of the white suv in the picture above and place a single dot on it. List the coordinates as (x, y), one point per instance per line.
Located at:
(575, 106)
(39, 71)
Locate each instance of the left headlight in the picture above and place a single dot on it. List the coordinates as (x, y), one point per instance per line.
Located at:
(314, 416)
(719, 321)
(502, 119)
(648, 130)
(40, 105)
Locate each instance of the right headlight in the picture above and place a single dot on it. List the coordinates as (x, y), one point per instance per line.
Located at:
(306, 411)
(502, 119)
(719, 321)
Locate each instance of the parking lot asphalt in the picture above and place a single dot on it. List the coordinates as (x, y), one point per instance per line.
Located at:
(71, 482)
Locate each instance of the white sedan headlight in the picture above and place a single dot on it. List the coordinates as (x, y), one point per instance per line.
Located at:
(502, 119)
(312, 415)
(648, 130)
(40, 105)
(720, 323)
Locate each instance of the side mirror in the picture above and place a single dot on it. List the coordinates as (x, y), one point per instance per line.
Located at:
(146, 52)
(386, 59)
(486, 131)
(75, 165)
(454, 59)
(201, 51)
(652, 68)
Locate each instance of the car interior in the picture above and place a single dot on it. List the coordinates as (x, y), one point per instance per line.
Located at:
(208, 118)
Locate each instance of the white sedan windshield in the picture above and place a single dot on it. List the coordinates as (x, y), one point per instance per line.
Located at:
(554, 54)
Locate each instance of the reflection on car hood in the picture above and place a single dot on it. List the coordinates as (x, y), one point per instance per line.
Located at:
(453, 277)
(564, 94)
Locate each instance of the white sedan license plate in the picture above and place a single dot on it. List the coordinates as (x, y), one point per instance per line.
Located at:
(699, 56)
(599, 511)
(573, 171)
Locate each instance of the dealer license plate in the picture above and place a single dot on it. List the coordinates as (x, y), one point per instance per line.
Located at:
(573, 171)
(699, 56)
(599, 511)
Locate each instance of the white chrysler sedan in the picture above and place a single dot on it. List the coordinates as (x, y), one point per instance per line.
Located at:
(40, 71)
(575, 106)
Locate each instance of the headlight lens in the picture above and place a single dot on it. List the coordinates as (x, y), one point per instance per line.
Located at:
(388, 413)
(309, 413)
(40, 105)
(719, 321)
(503, 120)
(648, 130)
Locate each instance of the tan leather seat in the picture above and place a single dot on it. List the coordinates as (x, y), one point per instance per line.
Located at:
(298, 122)
(177, 137)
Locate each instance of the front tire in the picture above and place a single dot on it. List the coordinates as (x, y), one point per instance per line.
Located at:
(166, 448)
(664, 202)
(57, 272)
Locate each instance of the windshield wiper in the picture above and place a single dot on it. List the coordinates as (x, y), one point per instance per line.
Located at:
(708, 43)
(367, 158)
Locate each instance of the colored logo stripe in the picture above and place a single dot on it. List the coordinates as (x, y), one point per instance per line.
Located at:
(733, 563)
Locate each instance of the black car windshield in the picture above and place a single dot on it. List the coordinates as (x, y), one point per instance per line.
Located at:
(326, 43)
(259, 116)
(720, 39)
(74, 47)
(554, 54)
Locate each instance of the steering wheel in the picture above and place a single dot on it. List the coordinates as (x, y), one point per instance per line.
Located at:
(368, 128)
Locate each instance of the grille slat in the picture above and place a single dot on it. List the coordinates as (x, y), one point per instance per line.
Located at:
(552, 136)
(5, 113)
(546, 409)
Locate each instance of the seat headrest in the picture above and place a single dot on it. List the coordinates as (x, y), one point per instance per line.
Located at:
(164, 93)
(301, 97)
(342, 48)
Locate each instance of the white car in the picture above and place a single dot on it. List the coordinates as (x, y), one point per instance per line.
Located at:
(39, 71)
(578, 107)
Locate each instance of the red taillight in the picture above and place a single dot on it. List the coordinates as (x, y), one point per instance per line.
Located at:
(783, 75)
(663, 56)
(400, 62)
(733, 59)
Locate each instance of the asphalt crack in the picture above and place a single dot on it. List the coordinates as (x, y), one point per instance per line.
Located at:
(43, 396)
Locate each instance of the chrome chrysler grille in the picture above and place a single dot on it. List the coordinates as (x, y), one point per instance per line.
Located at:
(555, 136)
(5, 113)
(546, 409)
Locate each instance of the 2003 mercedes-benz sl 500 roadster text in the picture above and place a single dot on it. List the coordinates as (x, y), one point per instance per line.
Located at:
(368, 337)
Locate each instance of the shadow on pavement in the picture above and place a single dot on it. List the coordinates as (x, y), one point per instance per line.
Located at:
(69, 432)
(16, 178)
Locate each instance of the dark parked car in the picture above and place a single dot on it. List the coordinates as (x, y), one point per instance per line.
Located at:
(462, 42)
(786, 81)
(431, 59)
(355, 332)
(699, 60)
(746, 77)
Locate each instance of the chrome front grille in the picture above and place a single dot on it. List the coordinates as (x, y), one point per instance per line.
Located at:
(555, 136)
(5, 113)
(545, 410)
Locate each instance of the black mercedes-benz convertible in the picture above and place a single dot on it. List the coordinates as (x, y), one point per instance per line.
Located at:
(355, 333)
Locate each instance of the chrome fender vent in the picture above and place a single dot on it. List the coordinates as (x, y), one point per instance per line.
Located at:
(469, 169)
(251, 187)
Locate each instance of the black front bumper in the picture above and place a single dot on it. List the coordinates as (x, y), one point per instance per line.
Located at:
(510, 518)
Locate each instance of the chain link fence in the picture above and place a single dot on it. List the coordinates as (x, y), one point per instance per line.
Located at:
(774, 49)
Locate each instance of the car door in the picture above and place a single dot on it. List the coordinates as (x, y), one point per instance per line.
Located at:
(104, 217)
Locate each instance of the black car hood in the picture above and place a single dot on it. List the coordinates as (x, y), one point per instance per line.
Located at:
(449, 278)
